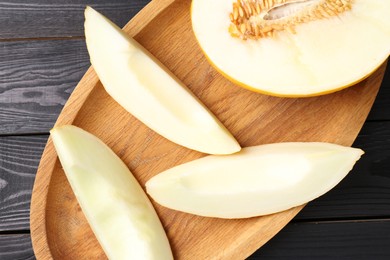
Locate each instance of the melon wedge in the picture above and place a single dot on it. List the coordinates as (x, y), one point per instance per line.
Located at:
(293, 48)
(116, 207)
(146, 89)
(258, 180)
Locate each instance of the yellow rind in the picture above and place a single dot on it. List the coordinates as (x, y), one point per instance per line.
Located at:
(240, 84)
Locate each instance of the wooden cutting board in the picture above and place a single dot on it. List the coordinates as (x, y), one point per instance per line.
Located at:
(58, 227)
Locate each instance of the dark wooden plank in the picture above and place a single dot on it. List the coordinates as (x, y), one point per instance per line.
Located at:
(324, 240)
(36, 79)
(19, 158)
(332, 240)
(16, 247)
(45, 18)
(365, 192)
(381, 107)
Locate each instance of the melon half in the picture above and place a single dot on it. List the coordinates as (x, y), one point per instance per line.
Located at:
(293, 48)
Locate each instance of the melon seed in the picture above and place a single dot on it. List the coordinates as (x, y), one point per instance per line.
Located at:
(255, 19)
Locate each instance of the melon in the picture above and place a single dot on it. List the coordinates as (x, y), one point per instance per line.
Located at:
(257, 181)
(293, 48)
(143, 86)
(116, 207)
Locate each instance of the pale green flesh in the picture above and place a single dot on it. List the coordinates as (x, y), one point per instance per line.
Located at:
(256, 181)
(146, 89)
(117, 209)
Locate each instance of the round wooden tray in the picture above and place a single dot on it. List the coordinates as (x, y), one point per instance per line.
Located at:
(58, 227)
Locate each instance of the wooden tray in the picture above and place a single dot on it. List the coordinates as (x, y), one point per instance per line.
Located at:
(58, 227)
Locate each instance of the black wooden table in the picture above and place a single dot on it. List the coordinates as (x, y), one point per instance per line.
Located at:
(43, 56)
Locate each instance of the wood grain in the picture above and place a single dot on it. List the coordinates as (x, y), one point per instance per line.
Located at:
(36, 79)
(16, 247)
(19, 158)
(42, 18)
(251, 117)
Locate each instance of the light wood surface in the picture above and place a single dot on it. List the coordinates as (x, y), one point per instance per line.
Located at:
(58, 227)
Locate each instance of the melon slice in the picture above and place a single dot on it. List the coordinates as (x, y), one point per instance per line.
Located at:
(258, 180)
(116, 207)
(151, 93)
(293, 48)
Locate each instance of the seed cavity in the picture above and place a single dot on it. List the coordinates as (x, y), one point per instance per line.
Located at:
(256, 19)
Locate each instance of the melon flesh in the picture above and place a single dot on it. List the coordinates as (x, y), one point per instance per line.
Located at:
(258, 180)
(116, 207)
(321, 57)
(151, 93)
